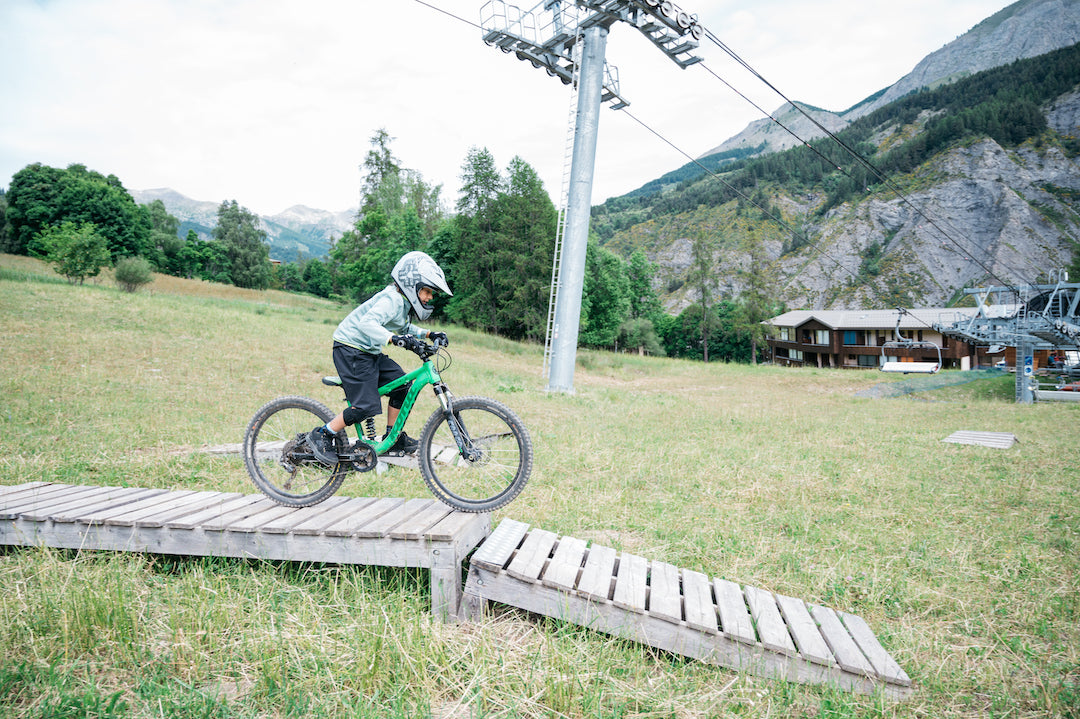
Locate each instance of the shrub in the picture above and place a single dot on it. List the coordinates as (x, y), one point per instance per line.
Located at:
(76, 251)
(132, 273)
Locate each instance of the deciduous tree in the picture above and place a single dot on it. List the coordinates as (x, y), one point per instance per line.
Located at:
(42, 196)
(76, 251)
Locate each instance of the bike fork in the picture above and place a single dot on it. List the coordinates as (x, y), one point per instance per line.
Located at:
(453, 422)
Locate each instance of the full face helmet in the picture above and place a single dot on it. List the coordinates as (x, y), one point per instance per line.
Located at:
(415, 270)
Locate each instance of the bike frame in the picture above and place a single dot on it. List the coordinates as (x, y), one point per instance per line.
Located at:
(421, 377)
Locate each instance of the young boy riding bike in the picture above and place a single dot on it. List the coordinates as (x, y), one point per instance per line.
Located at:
(358, 341)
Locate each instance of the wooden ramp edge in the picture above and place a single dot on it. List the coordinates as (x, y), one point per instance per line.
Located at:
(679, 610)
(342, 530)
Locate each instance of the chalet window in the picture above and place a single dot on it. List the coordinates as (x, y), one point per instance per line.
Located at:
(868, 360)
(785, 334)
(821, 337)
(851, 337)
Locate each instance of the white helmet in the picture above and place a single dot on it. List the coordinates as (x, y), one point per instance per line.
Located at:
(415, 270)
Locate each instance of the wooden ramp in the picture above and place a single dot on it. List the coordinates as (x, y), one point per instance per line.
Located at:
(679, 610)
(997, 440)
(345, 530)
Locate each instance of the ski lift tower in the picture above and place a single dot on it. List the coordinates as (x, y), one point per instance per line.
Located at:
(568, 39)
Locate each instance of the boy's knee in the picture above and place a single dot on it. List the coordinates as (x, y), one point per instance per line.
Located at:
(352, 415)
(397, 397)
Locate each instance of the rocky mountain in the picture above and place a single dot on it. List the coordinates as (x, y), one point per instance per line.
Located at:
(770, 137)
(297, 232)
(987, 215)
(1028, 28)
(976, 183)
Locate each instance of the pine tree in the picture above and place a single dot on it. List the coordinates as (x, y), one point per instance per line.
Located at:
(245, 246)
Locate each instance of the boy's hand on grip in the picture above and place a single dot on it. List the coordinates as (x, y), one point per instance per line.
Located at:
(407, 342)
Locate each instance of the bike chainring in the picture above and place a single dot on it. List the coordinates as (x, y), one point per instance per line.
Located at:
(362, 456)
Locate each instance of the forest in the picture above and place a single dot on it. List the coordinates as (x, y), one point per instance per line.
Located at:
(496, 247)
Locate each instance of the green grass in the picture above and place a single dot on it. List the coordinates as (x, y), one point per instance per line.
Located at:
(962, 559)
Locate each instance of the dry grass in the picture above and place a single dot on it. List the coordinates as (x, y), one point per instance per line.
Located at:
(963, 559)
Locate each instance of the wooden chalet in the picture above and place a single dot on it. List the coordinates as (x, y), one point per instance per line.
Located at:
(857, 339)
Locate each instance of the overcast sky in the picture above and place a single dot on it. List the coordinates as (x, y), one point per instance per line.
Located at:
(272, 103)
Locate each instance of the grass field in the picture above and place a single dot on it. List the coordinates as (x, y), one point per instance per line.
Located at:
(962, 559)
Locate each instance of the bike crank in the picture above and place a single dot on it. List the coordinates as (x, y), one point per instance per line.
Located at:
(362, 456)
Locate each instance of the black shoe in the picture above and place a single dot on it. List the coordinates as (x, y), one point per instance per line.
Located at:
(322, 446)
(404, 445)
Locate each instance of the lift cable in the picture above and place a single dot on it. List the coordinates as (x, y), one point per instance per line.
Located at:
(450, 14)
(769, 115)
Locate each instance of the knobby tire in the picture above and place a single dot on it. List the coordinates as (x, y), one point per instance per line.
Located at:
(275, 428)
(499, 472)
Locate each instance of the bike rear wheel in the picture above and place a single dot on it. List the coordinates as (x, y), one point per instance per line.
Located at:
(278, 458)
(494, 464)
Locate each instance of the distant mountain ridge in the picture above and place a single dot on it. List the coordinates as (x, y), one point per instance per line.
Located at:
(1025, 29)
(299, 231)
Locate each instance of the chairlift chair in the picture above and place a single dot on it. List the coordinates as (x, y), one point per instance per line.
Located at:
(903, 343)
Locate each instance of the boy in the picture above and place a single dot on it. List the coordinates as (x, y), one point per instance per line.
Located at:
(358, 341)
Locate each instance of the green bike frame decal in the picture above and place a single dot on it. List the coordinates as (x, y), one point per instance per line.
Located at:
(421, 377)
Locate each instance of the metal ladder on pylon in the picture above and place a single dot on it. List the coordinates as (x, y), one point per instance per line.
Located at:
(564, 201)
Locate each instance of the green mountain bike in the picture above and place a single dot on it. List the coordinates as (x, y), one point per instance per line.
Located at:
(474, 453)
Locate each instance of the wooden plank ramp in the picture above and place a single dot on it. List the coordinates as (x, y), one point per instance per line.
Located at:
(342, 530)
(679, 610)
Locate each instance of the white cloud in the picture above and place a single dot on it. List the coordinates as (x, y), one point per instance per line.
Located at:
(272, 103)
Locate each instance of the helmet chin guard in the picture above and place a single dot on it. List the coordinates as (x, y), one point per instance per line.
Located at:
(415, 270)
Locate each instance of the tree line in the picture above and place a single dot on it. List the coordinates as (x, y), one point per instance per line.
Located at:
(496, 247)
(81, 221)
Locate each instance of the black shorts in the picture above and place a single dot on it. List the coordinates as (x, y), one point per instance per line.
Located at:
(361, 376)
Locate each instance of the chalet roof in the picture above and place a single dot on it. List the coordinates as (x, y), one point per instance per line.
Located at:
(873, 319)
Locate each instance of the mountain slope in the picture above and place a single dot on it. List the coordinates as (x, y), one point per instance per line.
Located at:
(770, 137)
(1028, 28)
(1025, 29)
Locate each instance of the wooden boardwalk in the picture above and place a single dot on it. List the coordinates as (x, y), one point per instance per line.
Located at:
(679, 610)
(342, 530)
(656, 603)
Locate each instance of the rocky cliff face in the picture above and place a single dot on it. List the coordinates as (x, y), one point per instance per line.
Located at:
(1024, 29)
(992, 217)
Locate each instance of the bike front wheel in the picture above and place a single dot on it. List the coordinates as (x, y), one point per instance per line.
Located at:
(278, 458)
(489, 467)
